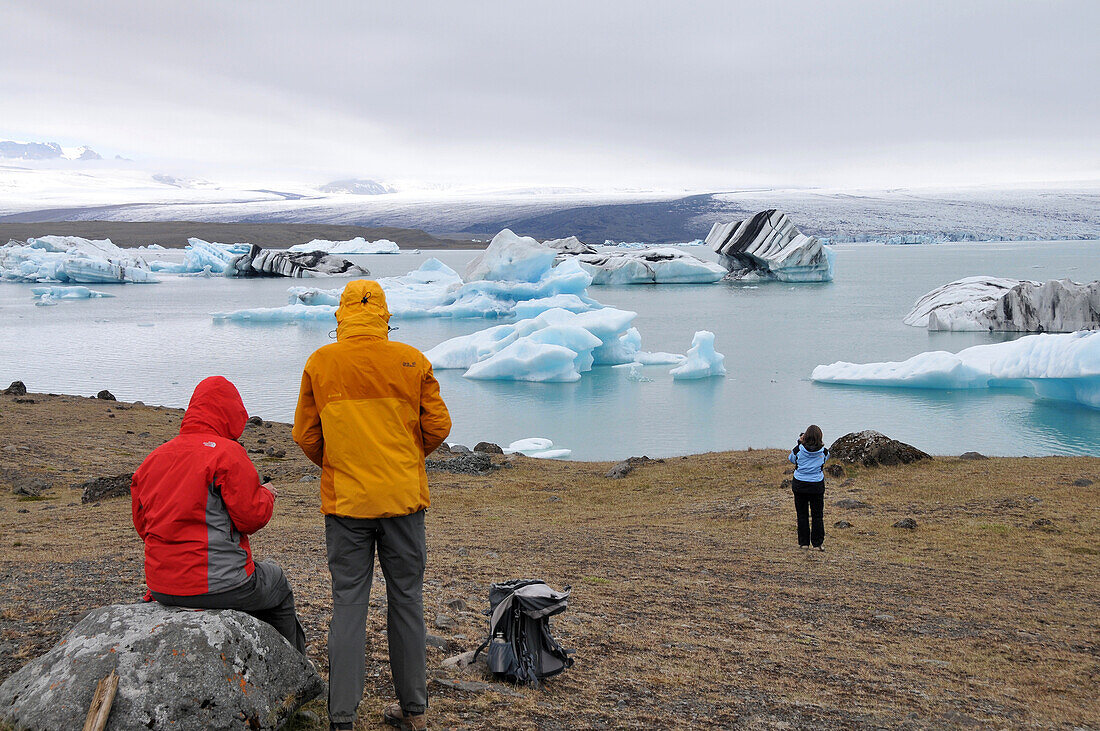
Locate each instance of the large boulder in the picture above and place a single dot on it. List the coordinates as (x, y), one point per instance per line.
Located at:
(180, 669)
(769, 245)
(105, 487)
(871, 448)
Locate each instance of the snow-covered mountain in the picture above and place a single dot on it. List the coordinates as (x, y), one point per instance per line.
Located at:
(9, 149)
(356, 186)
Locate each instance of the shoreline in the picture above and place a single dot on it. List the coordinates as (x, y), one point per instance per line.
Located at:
(691, 604)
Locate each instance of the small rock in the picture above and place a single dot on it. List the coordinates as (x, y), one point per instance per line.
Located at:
(1044, 524)
(255, 421)
(457, 605)
(469, 686)
(309, 717)
(785, 485)
(280, 453)
(461, 449)
(464, 660)
(17, 388)
(553, 499)
(871, 448)
(144, 435)
(972, 456)
(270, 452)
(492, 554)
(842, 524)
(468, 464)
(1082, 482)
(852, 504)
(440, 643)
(22, 510)
(884, 618)
(906, 523)
(488, 448)
(442, 621)
(105, 395)
(307, 478)
(624, 468)
(255, 451)
(139, 403)
(463, 551)
(105, 487)
(261, 440)
(835, 470)
(30, 486)
(23, 400)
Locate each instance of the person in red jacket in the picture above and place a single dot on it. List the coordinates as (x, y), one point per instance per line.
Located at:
(195, 501)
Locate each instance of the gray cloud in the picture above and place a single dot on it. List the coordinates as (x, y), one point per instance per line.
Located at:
(690, 94)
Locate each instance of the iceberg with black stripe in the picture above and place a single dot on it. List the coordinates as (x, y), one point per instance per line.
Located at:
(769, 245)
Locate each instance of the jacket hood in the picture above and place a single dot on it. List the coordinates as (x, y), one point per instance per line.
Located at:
(215, 408)
(802, 447)
(362, 311)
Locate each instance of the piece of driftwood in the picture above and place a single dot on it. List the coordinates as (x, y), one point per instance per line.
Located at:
(101, 703)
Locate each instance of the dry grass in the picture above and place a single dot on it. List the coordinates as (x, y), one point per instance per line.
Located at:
(691, 605)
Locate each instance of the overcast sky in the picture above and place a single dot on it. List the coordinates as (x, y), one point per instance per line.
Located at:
(704, 95)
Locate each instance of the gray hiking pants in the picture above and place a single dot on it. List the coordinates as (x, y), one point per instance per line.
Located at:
(266, 596)
(402, 553)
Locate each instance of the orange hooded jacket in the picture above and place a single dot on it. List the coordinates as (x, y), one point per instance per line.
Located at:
(368, 412)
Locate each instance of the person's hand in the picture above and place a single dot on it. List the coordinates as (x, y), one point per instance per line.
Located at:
(800, 437)
(270, 488)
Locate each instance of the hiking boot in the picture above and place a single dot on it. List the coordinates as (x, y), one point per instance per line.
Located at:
(343, 726)
(394, 716)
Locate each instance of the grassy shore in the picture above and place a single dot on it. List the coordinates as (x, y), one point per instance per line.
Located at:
(692, 606)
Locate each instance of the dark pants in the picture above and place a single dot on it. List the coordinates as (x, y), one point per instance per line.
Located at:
(810, 506)
(266, 596)
(402, 553)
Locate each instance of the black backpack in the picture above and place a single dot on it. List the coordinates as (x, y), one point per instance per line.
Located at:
(521, 649)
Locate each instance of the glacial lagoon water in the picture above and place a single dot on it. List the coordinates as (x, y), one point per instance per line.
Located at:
(154, 342)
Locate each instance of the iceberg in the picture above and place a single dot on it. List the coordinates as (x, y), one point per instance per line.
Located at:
(769, 245)
(249, 260)
(70, 259)
(662, 265)
(511, 258)
(1009, 305)
(67, 293)
(358, 245)
(1063, 367)
(538, 447)
(288, 313)
(557, 345)
(702, 360)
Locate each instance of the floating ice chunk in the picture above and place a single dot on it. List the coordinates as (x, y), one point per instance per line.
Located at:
(288, 313)
(571, 302)
(552, 454)
(596, 337)
(650, 266)
(621, 349)
(659, 358)
(67, 293)
(1009, 305)
(527, 360)
(511, 258)
(530, 444)
(769, 244)
(537, 447)
(702, 360)
(1064, 367)
(47, 300)
(358, 245)
(635, 374)
(70, 259)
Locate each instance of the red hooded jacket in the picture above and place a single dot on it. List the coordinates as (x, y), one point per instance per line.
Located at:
(197, 497)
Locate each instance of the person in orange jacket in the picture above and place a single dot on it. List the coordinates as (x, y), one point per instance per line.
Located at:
(368, 412)
(195, 501)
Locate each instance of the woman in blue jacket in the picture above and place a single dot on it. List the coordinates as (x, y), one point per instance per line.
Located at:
(808, 484)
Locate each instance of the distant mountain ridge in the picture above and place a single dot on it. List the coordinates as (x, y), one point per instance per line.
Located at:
(45, 151)
(356, 186)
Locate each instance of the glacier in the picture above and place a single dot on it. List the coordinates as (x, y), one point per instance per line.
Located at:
(702, 360)
(358, 245)
(71, 259)
(1009, 305)
(769, 245)
(1064, 367)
